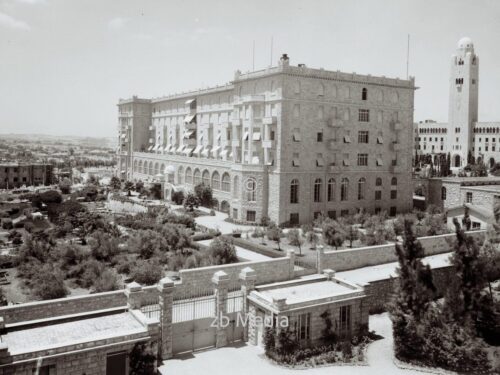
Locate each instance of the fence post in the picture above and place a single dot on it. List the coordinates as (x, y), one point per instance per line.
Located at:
(166, 300)
(248, 278)
(320, 256)
(291, 255)
(221, 283)
(134, 294)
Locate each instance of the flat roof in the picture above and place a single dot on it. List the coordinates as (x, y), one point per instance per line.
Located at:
(70, 333)
(471, 180)
(307, 292)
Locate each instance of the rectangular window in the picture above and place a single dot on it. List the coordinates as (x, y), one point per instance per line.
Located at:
(344, 213)
(294, 219)
(476, 225)
(392, 211)
(394, 194)
(332, 214)
(46, 370)
(363, 115)
(235, 213)
(362, 136)
(468, 197)
(296, 136)
(345, 321)
(272, 135)
(295, 160)
(303, 326)
(378, 195)
(319, 137)
(363, 159)
(377, 210)
(251, 216)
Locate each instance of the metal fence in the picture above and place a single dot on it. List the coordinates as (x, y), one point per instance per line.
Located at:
(201, 306)
(151, 307)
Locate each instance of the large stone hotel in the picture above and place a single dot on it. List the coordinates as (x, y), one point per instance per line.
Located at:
(287, 143)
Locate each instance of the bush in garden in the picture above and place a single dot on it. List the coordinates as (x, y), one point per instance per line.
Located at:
(49, 284)
(204, 195)
(142, 359)
(106, 282)
(177, 197)
(221, 251)
(147, 272)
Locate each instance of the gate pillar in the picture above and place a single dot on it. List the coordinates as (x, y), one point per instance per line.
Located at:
(134, 294)
(221, 284)
(248, 278)
(166, 300)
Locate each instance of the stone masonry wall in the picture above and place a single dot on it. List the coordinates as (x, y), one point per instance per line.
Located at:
(342, 260)
(64, 306)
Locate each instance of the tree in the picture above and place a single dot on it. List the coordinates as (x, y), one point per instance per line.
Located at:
(470, 158)
(51, 196)
(115, 183)
(147, 243)
(147, 272)
(204, 194)
(413, 295)
(155, 191)
(333, 234)
(479, 170)
(221, 251)
(466, 221)
(274, 234)
(128, 187)
(107, 281)
(49, 284)
(3, 299)
(295, 239)
(65, 186)
(103, 246)
(177, 197)
(142, 359)
(351, 232)
(313, 238)
(191, 202)
(139, 186)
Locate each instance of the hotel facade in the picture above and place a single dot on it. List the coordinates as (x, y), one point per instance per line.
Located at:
(287, 143)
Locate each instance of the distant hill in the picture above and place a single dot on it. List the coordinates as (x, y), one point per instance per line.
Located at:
(77, 140)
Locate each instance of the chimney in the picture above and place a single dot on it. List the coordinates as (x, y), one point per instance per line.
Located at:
(284, 60)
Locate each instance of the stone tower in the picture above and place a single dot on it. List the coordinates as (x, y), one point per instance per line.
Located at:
(464, 81)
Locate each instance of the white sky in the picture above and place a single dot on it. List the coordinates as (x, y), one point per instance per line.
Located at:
(65, 63)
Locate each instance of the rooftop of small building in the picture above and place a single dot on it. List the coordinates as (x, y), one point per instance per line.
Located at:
(65, 334)
(470, 181)
(304, 293)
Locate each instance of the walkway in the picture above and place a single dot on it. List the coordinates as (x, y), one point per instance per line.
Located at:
(217, 222)
(241, 253)
(248, 359)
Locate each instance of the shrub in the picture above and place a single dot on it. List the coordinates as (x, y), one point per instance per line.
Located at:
(147, 272)
(51, 196)
(7, 224)
(49, 284)
(142, 359)
(191, 202)
(204, 195)
(212, 212)
(221, 251)
(177, 197)
(106, 281)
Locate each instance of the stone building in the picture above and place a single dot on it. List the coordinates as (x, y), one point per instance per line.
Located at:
(302, 307)
(462, 134)
(14, 175)
(286, 142)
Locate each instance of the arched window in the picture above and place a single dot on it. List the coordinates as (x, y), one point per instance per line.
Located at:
(361, 188)
(180, 175)
(206, 178)
(443, 193)
(378, 181)
(140, 166)
(394, 181)
(189, 176)
(216, 181)
(294, 191)
(251, 189)
(317, 189)
(226, 182)
(157, 168)
(135, 165)
(364, 94)
(151, 171)
(196, 176)
(321, 90)
(331, 189)
(344, 189)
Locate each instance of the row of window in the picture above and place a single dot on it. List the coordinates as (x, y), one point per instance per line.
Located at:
(344, 189)
(294, 218)
(432, 130)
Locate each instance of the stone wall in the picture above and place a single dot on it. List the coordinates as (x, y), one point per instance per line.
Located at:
(380, 292)
(342, 260)
(63, 306)
(200, 279)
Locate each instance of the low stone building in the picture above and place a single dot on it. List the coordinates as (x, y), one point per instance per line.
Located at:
(304, 306)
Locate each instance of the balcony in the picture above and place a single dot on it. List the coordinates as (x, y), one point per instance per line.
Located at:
(268, 144)
(271, 120)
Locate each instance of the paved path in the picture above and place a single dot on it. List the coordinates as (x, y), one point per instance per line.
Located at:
(217, 222)
(248, 360)
(241, 253)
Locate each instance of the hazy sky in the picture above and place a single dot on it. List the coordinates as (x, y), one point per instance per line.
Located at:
(65, 63)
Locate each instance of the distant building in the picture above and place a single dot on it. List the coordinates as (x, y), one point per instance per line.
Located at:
(462, 133)
(287, 142)
(14, 175)
(475, 195)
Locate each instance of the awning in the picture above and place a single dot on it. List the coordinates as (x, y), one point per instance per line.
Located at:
(347, 139)
(150, 148)
(197, 149)
(214, 151)
(320, 162)
(167, 148)
(189, 101)
(297, 137)
(219, 136)
(270, 162)
(156, 147)
(223, 153)
(255, 160)
(206, 151)
(189, 119)
(187, 151)
(346, 162)
(180, 149)
(124, 135)
(380, 162)
(245, 136)
(296, 163)
(256, 136)
(188, 134)
(380, 140)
